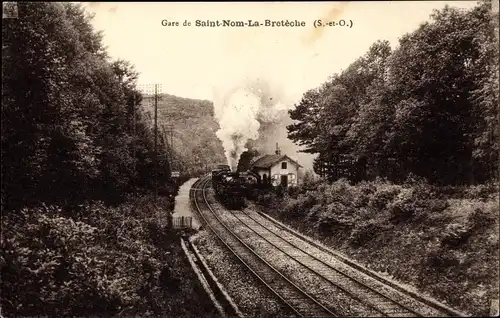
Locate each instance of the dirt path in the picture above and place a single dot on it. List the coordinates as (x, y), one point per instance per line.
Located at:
(182, 207)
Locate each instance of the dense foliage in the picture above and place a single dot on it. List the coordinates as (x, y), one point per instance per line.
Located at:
(101, 261)
(77, 153)
(68, 113)
(428, 107)
(423, 118)
(442, 240)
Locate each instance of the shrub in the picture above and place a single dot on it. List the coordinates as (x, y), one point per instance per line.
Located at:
(442, 259)
(56, 260)
(335, 214)
(99, 265)
(414, 180)
(309, 182)
(280, 191)
(298, 207)
(482, 218)
(313, 215)
(441, 239)
(417, 202)
(367, 188)
(483, 191)
(265, 199)
(364, 233)
(402, 208)
(306, 201)
(381, 198)
(456, 234)
(293, 192)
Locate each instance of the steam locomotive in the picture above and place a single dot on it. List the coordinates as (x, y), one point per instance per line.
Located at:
(231, 188)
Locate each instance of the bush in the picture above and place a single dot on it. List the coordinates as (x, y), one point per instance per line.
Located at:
(57, 260)
(280, 191)
(456, 234)
(364, 233)
(265, 199)
(300, 206)
(293, 192)
(417, 202)
(314, 214)
(381, 198)
(108, 261)
(439, 239)
(482, 218)
(482, 192)
(442, 259)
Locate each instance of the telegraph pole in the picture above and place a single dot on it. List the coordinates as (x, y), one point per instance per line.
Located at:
(172, 137)
(169, 132)
(155, 89)
(168, 146)
(156, 145)
(134, 116)
(134, 110)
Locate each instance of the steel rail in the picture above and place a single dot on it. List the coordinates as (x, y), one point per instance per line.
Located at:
(294, 287)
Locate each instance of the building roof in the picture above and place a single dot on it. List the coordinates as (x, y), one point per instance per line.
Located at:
(268, 161)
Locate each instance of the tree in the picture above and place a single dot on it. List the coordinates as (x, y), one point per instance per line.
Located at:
(328, 118)
(432, 75)
(68, 134)
(485, 97)
(307, 112)
(42, 131)
(428, 108)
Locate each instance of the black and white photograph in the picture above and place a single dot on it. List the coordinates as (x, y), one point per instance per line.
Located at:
(250, 159)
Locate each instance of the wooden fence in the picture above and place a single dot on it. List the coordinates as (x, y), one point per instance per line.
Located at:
(180, 222)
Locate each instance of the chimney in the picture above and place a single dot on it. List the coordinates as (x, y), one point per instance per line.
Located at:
(278, 151)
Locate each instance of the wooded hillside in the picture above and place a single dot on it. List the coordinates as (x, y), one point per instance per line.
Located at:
(196, 147)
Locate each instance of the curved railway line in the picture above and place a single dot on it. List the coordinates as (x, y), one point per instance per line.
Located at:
(296, 300)
(370, 296)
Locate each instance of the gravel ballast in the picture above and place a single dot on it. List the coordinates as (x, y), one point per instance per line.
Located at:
(326, 293)
(251, 297)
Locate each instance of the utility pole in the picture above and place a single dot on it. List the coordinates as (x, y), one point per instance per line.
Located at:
(170, 133)
(168, 148)
(134, 116)
(154, 90)
(156, 145)
(134, 110)
(172, 137)
(171, 130)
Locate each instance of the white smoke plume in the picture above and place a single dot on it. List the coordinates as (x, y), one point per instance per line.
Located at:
(254, 113)
(237, 117)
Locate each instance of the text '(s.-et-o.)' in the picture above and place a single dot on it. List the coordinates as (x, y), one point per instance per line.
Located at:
(257, 23)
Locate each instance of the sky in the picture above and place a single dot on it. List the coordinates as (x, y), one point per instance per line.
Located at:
(251, 73)
(197, 62)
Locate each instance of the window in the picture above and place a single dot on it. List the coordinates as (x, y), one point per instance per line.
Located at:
(283, 165)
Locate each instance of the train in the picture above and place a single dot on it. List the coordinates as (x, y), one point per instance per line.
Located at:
(231, 188)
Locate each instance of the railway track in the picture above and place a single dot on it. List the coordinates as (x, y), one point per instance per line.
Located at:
(295, 300)
(370, 296)
(382, 300)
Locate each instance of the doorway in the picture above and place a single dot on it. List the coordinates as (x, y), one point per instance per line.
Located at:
(284, 180)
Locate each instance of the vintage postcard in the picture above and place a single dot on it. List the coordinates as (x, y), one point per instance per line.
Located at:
(250, 159)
